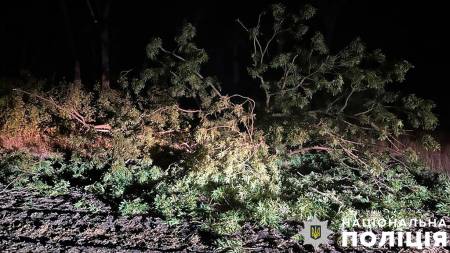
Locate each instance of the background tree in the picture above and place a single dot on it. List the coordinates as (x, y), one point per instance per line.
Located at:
(101, 21)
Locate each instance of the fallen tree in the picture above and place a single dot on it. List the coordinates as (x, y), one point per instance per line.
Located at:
(169, 142)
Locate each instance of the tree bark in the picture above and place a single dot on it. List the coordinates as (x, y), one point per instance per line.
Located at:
(104, 38)
(102, 25)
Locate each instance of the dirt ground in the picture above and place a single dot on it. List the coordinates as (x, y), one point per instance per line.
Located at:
(30, 222)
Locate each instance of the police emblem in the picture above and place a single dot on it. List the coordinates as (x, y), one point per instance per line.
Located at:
(315, 232)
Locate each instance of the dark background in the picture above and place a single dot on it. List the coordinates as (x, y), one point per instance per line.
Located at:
(36, 36)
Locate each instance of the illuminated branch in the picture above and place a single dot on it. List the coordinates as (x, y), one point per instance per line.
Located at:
(73, 114)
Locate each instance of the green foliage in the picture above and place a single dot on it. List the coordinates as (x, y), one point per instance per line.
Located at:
(230, 245)
(86, 205)
(317, 186)
(178, 70)
(59, 188)
(13, 167)
(134, 207)
(345, 95)
(442, 197)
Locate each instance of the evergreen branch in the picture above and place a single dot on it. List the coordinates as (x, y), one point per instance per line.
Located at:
(308, 149)
(346, 100)
(195, 72)
(73, 114)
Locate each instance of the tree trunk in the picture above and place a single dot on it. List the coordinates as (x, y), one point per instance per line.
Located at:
(104, 38)
(105, 58)
(77, 73)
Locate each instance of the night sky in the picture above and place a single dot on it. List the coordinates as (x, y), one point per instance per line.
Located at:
(36, 36)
